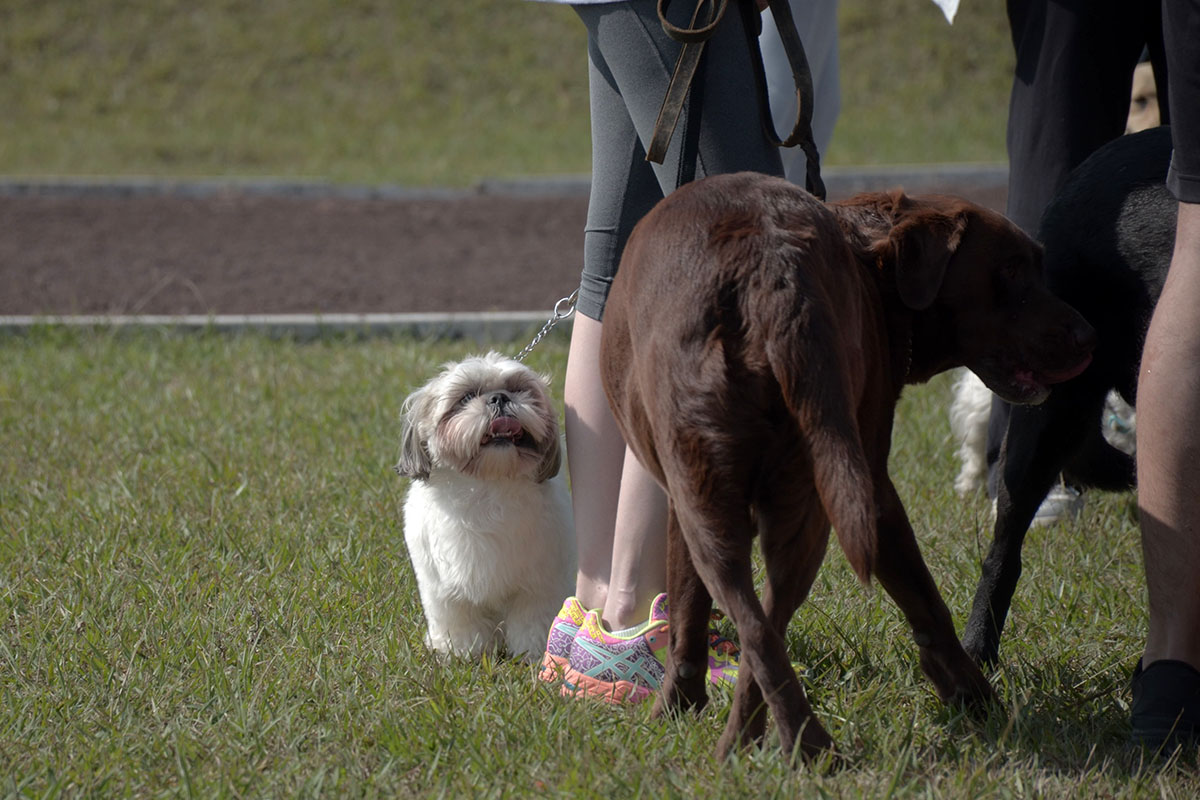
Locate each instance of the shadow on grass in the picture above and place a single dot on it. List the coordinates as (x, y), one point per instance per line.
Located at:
(1068, 719)
(1066, 716)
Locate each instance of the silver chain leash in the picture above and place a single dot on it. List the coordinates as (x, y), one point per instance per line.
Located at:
(564, 308)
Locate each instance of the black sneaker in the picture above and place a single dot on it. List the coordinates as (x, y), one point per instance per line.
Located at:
(1166, 706)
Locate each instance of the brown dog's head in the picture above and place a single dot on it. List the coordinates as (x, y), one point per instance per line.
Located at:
(976, 282)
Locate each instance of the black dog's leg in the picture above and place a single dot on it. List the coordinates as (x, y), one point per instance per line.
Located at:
(1099, 465)
(1039, 441)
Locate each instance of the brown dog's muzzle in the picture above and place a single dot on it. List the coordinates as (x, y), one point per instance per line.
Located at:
(1054, 344)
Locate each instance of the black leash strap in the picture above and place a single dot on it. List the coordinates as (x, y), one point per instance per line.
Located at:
(802, 77)
(708, 14)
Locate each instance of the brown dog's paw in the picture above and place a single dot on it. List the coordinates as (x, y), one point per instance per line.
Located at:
(977, 696)
(740, 736)
(959, 681)
(811, 745)
(816, 745)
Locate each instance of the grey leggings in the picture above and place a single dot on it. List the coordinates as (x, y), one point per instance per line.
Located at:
(630, 60)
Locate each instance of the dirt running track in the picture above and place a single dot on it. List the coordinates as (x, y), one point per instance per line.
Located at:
(235, 251)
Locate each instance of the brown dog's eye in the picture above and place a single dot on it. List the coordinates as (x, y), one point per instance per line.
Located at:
(1010, 282)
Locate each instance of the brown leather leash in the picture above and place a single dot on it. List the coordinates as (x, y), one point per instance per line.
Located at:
(705, 18)
(693, 38)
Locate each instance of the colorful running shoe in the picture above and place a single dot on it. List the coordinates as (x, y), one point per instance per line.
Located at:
(629, 668)
(723, 657)
(558, 643)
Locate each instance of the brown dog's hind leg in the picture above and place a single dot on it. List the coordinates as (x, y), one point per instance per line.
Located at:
(904, 575)
(794, 535)
(684, 684)
(765, 664)
(720, 543)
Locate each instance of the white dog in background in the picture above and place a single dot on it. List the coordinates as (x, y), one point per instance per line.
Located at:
(968, 423)
(488, 518)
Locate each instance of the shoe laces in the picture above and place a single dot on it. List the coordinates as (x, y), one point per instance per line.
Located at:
(718, 643)
(722, 646)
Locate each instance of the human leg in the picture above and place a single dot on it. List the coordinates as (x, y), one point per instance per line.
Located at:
(1168, 451)
(1070, 95)
(620, 509)
(609, 494)
(623, 189)
(595, 452)
(1166, 694)
(626, 516)
(816, 22)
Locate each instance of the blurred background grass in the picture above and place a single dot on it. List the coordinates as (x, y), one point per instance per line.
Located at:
(419, 93)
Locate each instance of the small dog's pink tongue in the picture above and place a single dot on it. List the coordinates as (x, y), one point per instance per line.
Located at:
(505, 426)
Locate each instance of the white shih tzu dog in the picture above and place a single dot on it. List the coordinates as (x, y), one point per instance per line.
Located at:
(487, 519)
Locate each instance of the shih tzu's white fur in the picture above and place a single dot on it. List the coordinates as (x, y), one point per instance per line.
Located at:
(487, 519)
(968, 423)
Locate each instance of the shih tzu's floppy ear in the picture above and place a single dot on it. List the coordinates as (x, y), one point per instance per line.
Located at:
(415, 461)
(550, 443)
(551, 458)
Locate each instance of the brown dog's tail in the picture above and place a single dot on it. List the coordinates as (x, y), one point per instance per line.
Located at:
(815, 390)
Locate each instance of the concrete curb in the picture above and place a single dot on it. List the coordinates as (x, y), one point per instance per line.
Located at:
(481, 327)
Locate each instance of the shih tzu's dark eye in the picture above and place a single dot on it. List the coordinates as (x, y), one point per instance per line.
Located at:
(466, 398)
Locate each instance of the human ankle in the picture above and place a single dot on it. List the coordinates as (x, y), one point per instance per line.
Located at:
(622, 611)
(1168, 648)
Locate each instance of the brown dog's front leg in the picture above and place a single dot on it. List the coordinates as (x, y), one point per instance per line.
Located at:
(902, 571)
(689, 606)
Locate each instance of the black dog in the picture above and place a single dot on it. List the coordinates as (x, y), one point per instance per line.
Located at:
(1108, 237)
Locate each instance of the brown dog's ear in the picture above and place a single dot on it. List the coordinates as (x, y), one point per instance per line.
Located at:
(921, 243)
(415, 461)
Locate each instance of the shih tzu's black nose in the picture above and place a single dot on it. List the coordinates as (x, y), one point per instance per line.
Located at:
(498, 401)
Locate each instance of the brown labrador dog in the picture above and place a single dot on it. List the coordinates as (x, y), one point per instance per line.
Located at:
(754, 346)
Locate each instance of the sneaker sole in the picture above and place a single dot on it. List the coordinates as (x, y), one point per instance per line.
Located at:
(553, 668)
(576, 684)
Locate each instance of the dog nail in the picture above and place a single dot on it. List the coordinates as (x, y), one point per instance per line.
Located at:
(687, 670)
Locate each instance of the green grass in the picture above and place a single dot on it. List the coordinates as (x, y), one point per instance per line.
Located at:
(421, 93)
(204, 591)
(915, 90)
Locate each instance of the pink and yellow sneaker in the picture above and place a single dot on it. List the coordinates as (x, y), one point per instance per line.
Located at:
(558, 644)
(628, 668)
